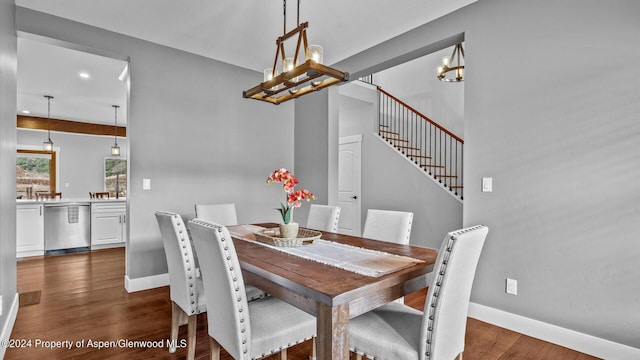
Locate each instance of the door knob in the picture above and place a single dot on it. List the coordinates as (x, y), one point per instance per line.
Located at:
(354, 197)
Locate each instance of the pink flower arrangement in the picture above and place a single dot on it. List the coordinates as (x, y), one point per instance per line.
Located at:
(294, 197)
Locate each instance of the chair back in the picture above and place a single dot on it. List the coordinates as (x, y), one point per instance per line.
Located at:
(388, 225)
(99, 195)
(180, 261)
(447, 303)
(47, 195)
(223, 214)
(228, 314)
(323, 217)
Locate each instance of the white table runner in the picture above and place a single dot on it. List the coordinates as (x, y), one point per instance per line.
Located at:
(351, 258)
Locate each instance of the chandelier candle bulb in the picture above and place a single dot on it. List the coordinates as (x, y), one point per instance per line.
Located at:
(287, 64)
(269, 75)
(315, 53)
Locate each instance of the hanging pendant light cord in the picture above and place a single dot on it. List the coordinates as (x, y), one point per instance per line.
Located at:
(284, 14)
(49, 97)
(115, 127)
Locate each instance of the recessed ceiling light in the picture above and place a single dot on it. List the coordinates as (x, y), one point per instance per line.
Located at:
(84, 75)
(26, 112)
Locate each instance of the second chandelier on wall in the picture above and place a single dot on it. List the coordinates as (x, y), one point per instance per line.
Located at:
(452, 69)
(294, 79)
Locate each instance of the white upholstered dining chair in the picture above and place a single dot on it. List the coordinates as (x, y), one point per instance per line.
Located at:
(223, 214)
(388, 225)
(246, 330)
(323, 217)
(186, 289)
(226, 215)
(396, 331)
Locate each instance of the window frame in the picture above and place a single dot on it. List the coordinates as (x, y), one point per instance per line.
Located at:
(52, 165)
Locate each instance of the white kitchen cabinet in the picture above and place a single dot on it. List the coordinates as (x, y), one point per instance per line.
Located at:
(29, 230)
(108, 225)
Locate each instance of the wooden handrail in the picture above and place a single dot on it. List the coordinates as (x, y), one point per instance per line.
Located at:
(421, 115)
(422, 141)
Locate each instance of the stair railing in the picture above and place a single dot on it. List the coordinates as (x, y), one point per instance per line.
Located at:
(428, 144)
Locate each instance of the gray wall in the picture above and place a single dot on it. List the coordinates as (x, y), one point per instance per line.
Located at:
(8, 90)
(560, 140)
(189, 131)
(80, 159)
(312, 148)
(557, 128)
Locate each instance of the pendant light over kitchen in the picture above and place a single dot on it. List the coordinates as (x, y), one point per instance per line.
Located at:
(48, 144)
(115, 149)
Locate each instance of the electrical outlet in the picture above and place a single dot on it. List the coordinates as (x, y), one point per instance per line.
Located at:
(512, 287)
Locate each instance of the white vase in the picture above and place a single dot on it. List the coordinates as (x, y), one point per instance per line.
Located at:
(289, 231)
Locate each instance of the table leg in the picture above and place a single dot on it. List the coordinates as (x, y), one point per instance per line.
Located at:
(333, 332)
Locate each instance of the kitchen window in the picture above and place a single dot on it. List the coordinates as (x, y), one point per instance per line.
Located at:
(35, 172)
(115, 176)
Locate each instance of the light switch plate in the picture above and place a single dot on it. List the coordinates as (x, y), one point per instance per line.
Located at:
(487, 184)
(146, 184)
(512, 287)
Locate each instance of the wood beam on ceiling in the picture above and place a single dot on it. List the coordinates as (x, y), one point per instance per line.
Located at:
(40, 123)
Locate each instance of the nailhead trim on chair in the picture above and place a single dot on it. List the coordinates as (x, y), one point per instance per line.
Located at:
(436, 291)
(185, 242)
(335, 223)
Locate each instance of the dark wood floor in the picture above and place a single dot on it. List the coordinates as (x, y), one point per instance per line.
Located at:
(82, 298)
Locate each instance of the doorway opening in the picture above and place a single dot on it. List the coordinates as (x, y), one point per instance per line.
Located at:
(84, 84)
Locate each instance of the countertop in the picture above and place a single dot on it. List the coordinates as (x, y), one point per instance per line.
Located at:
(69, 200)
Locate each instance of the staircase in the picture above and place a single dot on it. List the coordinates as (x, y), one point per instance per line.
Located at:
(431, 147)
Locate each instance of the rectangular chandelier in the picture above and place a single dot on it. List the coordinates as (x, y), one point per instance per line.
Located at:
(296, 79)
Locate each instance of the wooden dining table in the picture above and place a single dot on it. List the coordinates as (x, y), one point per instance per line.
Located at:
(333, 295)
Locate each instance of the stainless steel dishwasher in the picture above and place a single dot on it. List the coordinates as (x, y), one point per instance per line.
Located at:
(67, 227)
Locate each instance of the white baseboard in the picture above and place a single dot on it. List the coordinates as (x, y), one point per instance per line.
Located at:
(7, 328)
(581, 342)
(107, 246)
(145, 283)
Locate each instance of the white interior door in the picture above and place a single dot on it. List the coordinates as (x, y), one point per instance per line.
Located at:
(349, 184)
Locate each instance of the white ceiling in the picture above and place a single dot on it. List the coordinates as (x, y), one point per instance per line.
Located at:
(45, 69)
(237, 32)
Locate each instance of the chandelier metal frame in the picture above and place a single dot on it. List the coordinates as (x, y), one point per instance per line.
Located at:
(458, 56)
(304, 78)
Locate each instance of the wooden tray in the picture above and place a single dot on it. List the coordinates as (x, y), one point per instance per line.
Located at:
(272, 237)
